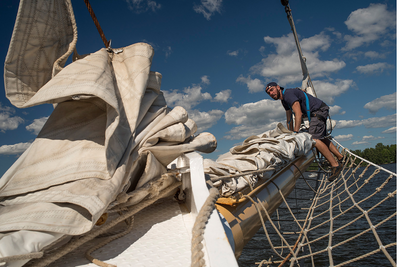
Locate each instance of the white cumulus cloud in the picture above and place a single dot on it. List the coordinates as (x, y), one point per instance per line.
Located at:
(366, 139)
(7, 119)
(16, 149)
(254, 85)
(390, 130)
(233, 53)
(284, 65)
(254, 114)
(374, 68)
(223, 96)
(208, 8)
(168, 51)
(359, 142)
(344, 137)
(340, 124)
(141, 6)
(368, 25)
(333, 110)
(380, 122)
(190, 97)
(36, 125)
(327, 91)
(374, 122)
(386, 101)
(374, 55)
(205, 79)
(205, 120)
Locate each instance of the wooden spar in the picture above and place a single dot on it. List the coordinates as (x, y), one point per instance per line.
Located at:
(306, 75)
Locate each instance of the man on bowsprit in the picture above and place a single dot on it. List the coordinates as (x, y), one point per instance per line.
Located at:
(296, 101)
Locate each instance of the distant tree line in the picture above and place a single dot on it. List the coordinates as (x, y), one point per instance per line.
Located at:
(379, 155)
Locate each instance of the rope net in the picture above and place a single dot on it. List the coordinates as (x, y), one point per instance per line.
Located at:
(348, 222)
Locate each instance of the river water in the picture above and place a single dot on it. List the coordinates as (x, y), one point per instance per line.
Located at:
(258, 248)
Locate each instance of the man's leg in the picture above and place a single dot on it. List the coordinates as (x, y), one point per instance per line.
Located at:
(332, 148)
(323, 148)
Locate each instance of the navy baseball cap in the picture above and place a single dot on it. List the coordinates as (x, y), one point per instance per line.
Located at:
(272, 84)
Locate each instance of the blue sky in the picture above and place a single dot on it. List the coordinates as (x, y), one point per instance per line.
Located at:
(217, 56)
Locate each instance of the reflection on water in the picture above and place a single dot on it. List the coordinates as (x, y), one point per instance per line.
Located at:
(258, 248)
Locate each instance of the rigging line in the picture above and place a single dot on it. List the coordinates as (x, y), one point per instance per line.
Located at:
(96, 22)
(377, 166)
(260, 171)
(372, 227)
(369, 229)
(382, 247)
(308, 222)
(263, 224)
(350, 222)
(276, 230)
(318, 160)
(301, 233)
(302, 176)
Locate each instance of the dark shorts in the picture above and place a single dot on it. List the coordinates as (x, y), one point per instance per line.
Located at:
(317, 126)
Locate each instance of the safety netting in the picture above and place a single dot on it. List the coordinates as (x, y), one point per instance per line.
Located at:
(348, 222)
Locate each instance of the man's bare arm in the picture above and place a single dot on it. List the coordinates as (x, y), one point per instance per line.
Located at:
(289, 120)
(297, 115)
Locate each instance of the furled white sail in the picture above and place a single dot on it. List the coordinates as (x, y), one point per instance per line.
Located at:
(269, 152)
(111, 131)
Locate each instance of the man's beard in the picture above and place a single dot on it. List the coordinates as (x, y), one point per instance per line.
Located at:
(278, 96)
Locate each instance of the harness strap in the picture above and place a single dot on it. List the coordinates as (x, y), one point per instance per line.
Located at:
(308, 107)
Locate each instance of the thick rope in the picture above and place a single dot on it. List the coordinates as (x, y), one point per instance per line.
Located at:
(59, 63)
(199, 227)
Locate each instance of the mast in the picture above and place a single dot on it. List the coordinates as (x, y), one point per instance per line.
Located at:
(306, 76)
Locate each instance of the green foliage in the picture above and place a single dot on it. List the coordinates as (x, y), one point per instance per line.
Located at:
(379, 155)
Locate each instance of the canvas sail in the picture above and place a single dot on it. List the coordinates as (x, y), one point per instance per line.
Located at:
(110, 133)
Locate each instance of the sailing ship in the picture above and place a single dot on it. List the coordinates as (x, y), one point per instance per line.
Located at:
(115, 177)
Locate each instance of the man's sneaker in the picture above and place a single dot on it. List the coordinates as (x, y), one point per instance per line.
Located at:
(335, 172)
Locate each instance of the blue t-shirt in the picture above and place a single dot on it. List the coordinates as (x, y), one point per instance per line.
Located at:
(292, 95)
